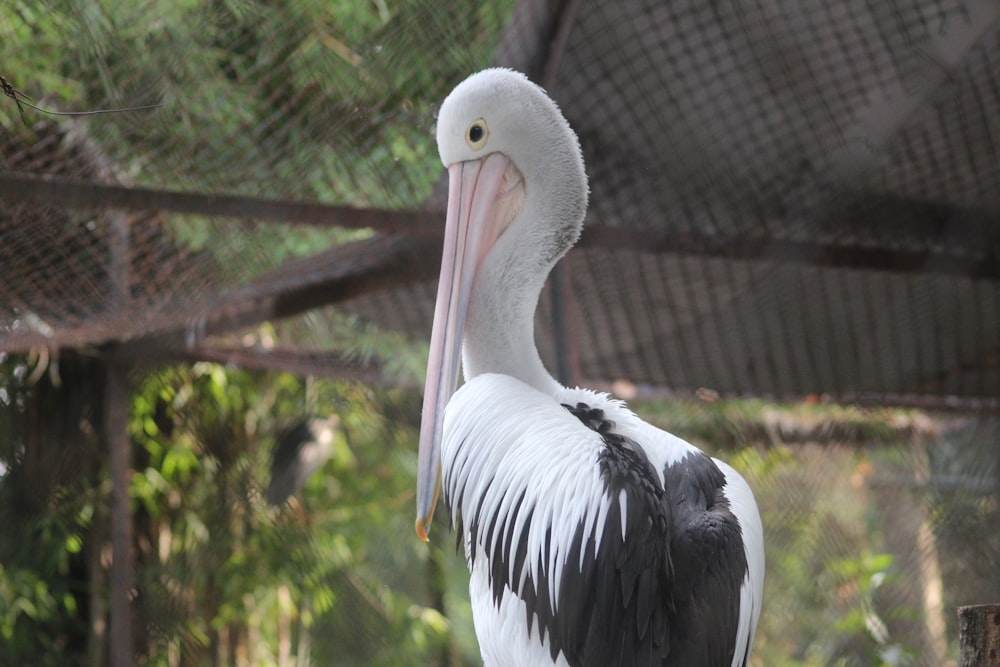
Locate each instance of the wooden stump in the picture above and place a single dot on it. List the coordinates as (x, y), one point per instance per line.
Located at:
(979, 635)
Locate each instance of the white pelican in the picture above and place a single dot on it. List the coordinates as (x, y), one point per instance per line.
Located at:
(593, 538)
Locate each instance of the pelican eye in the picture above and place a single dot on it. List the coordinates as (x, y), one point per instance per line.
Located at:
(477, 134)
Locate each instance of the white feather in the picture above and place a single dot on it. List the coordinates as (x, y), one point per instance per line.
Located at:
(504, 437)
(501, 434)
(743, 505)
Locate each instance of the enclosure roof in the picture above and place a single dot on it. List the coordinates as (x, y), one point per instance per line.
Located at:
(788, 199)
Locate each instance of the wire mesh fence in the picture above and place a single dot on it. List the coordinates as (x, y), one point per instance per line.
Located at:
(825, 175)
(788, 200)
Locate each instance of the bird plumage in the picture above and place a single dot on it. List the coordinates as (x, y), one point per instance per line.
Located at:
(540, 486)
(593, 538)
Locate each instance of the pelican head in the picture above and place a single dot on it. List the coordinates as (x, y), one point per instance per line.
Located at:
(517, 196)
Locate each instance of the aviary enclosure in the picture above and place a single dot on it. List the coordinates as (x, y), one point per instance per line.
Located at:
(792, 257)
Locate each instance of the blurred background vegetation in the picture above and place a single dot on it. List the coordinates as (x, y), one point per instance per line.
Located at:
(874, 525)
(875, 519)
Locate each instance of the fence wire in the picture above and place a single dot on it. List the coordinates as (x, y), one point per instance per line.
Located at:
(788, 199)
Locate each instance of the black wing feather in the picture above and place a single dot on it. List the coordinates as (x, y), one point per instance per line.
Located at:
(667, 595)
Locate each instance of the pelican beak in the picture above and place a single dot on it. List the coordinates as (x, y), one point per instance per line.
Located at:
(478, 212)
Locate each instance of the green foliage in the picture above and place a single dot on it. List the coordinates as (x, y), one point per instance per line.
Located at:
(48, 506)
(337, 567)
(313, 100)
(307, 98)
(336, 573)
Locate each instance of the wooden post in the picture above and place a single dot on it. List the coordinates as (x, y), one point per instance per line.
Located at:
(116, 404)
(979, 635)
(120, 464)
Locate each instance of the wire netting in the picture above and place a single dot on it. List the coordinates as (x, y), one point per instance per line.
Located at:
(787, 199)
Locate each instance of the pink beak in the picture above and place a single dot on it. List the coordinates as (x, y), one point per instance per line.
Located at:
(472, 227)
